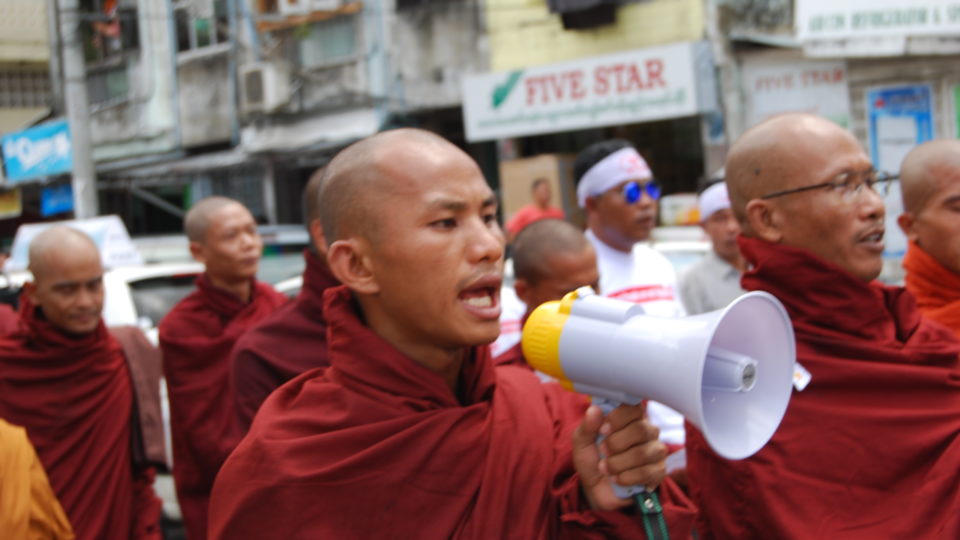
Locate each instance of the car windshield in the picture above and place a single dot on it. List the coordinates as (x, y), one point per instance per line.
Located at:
(154, 297)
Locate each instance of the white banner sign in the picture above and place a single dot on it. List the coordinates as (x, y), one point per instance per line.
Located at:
(830, 19)
(622, 88)
(779, 87)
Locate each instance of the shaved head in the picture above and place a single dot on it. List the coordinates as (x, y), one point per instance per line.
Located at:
(772, 156)
(46, 247)
(67, 284)
(923, 171)
(541, 240)
(358, 179)
(311, 197)
(198, 219)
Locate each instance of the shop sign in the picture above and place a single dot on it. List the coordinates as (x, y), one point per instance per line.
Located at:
(11, 203)
(40, 151)
(898, 118)
(623, 88)
(56, 200)
(780, 87)
(830, 19)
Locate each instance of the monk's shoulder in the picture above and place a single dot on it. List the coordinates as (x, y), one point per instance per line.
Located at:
(186, 314)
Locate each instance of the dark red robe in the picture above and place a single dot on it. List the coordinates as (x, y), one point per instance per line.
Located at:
(196, 338)
(8, 319)
(377, 446)
(512, 357)
(74, 396)
(871, 448)
(290, 341)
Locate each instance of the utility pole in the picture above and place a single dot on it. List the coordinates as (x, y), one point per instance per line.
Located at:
(85, 203)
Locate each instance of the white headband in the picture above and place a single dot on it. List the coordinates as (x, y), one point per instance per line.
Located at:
(624, 164)
(712, 199)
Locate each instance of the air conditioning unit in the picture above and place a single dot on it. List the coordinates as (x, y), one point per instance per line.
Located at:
(265, 87)
(293, 7)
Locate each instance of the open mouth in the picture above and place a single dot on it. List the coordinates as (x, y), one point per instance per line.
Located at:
(482, 298)
(874, 239)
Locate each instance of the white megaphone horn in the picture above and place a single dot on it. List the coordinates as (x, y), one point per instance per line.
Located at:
(729, 372)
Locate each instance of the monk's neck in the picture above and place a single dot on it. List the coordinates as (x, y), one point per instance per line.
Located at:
(242, 289)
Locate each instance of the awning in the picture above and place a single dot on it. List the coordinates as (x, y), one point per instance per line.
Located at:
(314, 132)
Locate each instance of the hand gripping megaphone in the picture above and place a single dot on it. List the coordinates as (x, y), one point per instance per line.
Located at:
(729, 372)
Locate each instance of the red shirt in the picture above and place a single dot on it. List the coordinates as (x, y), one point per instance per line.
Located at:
(530, 213)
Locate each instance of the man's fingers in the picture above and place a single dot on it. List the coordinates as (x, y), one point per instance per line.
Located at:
(639, 431)
(625, 414)
(653, 453)
(586, 433)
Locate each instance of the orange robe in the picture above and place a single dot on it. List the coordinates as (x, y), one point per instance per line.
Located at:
(28, 507)
(936, 288)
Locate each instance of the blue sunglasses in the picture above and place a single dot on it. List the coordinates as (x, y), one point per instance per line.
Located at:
(633, 190)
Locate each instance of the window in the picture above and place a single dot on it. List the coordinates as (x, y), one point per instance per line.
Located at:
(201, 23)
(24, 87)
(328, 41)
(110, 34)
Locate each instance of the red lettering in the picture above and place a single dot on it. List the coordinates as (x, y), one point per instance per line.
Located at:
(531, 83)
(600, 83)
(577, 89)
(556, 85)
(618, 73)
(634, 82)
(655, 73)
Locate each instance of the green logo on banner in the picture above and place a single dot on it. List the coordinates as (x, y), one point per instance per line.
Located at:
(502, 91)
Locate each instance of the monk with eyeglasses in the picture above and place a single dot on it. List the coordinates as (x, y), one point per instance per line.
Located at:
(870, 444)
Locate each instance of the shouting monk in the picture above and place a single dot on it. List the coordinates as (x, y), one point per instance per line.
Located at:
(930, 179)
(196, 338)
(69, 382)
(294, 338)
(878, 416)
(411, 432)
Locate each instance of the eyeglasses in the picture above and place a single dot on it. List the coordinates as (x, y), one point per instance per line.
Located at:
(633, 190)
(849, 184)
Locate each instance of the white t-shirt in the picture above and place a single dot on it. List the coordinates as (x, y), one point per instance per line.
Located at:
(646, 277)
(512, 310)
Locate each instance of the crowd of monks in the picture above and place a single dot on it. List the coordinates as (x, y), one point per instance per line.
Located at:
(369, 405)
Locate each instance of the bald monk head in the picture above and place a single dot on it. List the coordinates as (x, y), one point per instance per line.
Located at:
(67, 279)
(311, 213)
(803, 181)
(552, 257)
(930, 183)
(412, 230)
(223, 236)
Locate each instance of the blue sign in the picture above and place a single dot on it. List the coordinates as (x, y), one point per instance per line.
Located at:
(899, 117)
(56, 200)
(40, 151)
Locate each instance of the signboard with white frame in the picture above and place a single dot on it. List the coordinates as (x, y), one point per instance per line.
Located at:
(658, 83)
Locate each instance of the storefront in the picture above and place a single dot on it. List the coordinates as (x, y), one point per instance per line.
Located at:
(662, 99)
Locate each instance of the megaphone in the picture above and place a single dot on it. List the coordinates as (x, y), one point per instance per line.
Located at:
(729, 372)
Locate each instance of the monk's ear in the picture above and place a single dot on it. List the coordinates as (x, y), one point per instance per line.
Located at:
(30, 289)
(906, 221)
(350, 264)
(197, 252)
(317, 239)
(590, 204)
(763, 220)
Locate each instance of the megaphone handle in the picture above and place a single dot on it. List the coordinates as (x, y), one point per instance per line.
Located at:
(624, 492)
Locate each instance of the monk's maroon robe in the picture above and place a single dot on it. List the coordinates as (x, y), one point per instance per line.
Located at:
(74, 396)
(378, 446)
(196, 338)
(290, 341)
(871, 448)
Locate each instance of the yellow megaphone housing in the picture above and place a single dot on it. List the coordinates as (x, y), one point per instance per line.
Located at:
(729, 372)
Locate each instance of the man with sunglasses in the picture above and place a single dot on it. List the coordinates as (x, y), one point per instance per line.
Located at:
(930, 181)
(616, 189)
(870, 444)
